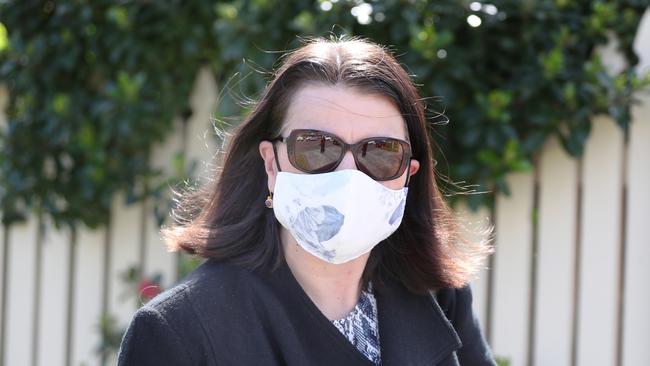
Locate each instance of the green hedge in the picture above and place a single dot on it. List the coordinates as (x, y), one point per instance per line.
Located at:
(95, 85)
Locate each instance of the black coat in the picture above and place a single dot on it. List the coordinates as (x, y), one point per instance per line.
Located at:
(222, 314)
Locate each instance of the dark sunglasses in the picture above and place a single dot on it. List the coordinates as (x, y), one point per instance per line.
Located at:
(314, 151)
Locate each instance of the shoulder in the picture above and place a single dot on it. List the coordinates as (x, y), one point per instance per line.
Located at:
(155, 334)
(173, 326)
(212, 282)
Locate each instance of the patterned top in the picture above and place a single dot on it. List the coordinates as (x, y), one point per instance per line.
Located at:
(360, 326)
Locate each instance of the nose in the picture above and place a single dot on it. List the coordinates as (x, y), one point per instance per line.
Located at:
(347, 162)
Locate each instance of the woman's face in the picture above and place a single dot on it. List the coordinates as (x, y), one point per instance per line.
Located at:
(346, 112)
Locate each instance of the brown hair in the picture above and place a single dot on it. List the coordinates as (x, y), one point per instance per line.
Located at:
(228, 220)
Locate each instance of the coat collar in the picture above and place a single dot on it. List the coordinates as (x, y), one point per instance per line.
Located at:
(413, 329)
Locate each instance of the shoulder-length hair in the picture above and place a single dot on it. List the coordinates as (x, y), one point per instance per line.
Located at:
(228, 220)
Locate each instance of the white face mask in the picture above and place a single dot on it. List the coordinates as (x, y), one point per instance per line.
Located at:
(337, 216)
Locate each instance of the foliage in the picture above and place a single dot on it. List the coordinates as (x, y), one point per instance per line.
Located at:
(137, 286)
(110, 336)
(93, 86)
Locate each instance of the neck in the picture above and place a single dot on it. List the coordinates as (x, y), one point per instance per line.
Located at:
(333, 288)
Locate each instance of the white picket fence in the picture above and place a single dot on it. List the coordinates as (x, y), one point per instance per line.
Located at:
(571, 287)
(568, 284)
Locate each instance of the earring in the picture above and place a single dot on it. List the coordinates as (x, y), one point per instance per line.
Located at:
(269, 201)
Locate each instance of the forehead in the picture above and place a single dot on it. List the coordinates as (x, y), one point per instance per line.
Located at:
(350, 113)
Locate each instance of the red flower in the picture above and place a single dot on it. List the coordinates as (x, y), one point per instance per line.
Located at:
(148, 289)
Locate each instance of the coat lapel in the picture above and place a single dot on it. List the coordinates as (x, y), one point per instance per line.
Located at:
(321, 338)
(413, 329)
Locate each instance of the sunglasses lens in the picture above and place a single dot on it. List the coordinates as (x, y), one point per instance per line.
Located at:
(381, 159)
(316, 152)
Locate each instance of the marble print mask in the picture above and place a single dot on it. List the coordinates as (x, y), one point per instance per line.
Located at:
(337, 216)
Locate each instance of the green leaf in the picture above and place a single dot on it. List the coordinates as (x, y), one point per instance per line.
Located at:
(4, 41)
(119, 16)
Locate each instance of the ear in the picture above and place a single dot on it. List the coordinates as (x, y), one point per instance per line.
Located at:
(266, 151)
(415, 166)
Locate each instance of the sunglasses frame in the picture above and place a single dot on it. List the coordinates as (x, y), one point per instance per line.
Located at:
(355, 148)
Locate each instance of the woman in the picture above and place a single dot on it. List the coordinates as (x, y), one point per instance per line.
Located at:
(328, 241)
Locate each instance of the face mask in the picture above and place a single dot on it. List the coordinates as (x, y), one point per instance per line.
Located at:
(337, 216)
